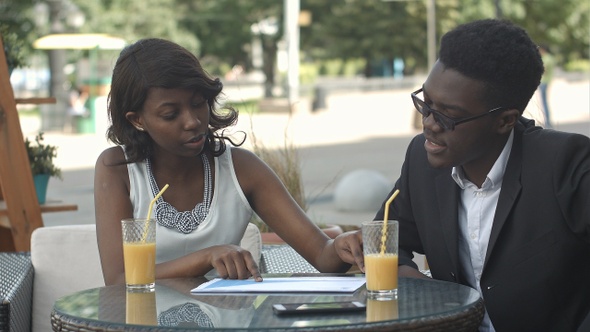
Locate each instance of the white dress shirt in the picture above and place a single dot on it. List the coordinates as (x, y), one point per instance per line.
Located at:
(476, 215)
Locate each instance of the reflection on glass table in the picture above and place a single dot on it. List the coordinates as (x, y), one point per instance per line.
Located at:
(438, 305)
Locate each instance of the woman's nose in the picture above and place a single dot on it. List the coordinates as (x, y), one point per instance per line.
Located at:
(191, 120)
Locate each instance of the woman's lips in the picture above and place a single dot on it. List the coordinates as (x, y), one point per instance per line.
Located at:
(196, 140)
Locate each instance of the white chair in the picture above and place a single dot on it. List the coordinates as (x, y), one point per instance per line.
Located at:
(66, 260)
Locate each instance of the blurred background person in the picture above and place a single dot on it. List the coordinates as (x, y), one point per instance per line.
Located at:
(549, 64)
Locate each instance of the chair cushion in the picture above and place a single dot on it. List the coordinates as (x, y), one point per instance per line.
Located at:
(252, 242)
(66, 260)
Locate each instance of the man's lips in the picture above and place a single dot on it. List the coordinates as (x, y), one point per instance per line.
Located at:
(433, 147)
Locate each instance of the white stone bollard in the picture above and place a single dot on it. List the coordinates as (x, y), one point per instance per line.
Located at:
(361, 190)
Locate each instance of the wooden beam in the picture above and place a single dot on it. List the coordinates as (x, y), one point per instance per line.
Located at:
(49, 206)
(35, 101)
(16, 179)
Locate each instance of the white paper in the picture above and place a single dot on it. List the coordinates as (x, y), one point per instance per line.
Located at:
(283, 285)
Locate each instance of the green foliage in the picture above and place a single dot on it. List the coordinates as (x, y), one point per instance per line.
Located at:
(562, 25)
(308, 72)
(150, 18)
(41, 157)
(246, 106)
(16, 20)
(224, 26)
(13, 48)
(219, 31)
(340, 67)
(578, 66)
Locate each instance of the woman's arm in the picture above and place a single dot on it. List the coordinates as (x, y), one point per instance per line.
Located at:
(112, 204)
(274, 205)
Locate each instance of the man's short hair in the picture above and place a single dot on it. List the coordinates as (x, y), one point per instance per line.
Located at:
(499, 54)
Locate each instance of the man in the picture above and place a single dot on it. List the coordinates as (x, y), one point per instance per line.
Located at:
(493, 201)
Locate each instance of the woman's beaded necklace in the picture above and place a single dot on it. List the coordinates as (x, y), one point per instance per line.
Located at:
(185, 221)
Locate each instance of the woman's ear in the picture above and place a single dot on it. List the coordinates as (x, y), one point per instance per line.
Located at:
(135, 120)
(507, 120)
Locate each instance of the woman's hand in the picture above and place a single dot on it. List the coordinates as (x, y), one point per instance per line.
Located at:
(349, 247)
(233, 262)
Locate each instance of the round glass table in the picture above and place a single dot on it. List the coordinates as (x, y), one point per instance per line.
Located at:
(422, 305)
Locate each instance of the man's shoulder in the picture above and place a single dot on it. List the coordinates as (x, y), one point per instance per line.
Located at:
(551, 147)
(553, 138)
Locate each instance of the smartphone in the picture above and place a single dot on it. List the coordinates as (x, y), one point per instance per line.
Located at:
(317, 307)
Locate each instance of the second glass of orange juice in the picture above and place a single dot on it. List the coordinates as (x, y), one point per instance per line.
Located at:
(380, 248)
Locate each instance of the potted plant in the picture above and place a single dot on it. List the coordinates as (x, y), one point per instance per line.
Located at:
(42, 167)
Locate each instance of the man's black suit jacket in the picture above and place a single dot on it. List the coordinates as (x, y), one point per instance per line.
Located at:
(536, 275)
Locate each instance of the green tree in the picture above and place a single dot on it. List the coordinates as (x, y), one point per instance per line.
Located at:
(224, 28)
(135, 19)
(372, 30)
(563, 25)
(16, 18)
(219, 31)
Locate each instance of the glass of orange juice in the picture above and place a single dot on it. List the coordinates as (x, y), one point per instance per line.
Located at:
(139, 253)
(380, 249)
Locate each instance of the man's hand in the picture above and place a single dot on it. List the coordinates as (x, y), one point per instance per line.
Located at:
(349, 247)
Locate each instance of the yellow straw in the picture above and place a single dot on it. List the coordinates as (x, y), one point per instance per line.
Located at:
(385, 218)
(155, 199)
(145, 230)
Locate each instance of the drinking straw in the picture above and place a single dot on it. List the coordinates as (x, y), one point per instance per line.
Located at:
(155, 199)
(145, 230)
(385, 218)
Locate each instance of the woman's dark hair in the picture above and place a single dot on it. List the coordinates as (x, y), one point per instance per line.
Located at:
(499, 54)
(157, 63)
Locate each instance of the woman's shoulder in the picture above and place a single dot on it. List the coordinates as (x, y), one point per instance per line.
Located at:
(111, 157)
(242, 157)
(247, 166)
(111, 166)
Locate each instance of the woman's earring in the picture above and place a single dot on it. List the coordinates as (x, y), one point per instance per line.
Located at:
(139, 128)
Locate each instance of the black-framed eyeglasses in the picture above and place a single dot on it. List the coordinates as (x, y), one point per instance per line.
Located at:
(445, 121)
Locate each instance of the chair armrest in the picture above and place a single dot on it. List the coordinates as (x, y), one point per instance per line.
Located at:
(16, 291)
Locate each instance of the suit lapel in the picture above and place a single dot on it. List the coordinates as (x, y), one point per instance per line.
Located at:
(447, 193)
(511, 188)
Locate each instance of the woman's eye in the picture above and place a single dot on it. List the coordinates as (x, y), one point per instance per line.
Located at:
(169, 115)
(200, 104)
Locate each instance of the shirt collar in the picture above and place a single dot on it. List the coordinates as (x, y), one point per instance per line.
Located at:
(495, 175)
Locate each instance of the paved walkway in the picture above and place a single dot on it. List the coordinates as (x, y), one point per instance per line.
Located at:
(358, 130)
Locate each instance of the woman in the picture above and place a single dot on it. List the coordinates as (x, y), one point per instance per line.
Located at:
(162, 106)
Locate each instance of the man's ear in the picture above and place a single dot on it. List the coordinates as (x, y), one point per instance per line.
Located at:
(507, 120)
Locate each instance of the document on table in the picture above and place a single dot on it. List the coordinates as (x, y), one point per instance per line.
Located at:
(328, 284)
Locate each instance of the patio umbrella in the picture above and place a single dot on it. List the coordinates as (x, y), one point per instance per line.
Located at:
(79, 41)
